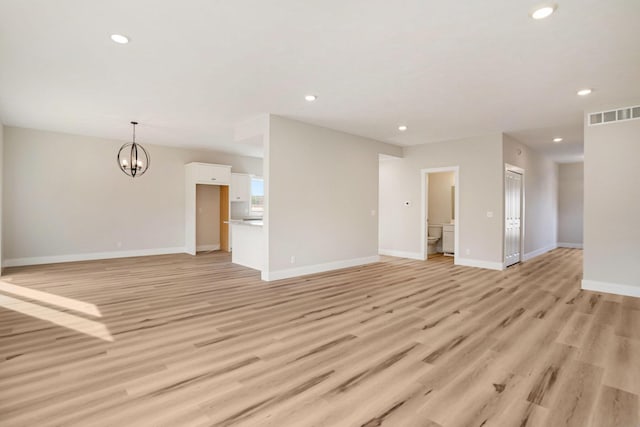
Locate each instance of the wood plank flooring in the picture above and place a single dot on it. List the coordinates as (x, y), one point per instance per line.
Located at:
(197, 341)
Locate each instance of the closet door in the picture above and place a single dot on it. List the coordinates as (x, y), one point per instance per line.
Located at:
(512, 220)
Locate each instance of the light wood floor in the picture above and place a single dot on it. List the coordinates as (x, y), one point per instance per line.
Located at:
(199, 341)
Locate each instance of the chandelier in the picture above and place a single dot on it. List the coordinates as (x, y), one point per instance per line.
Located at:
(133, 159)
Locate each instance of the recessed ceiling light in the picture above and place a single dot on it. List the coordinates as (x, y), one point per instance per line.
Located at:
(402, 128)
(543, 12)
(557, 139)
(310, 98)
(119, 38)
(584, 92)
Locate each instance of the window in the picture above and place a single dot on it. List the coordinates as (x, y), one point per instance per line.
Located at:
(257, 197)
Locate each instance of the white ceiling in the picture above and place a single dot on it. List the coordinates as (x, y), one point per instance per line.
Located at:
(194, 68)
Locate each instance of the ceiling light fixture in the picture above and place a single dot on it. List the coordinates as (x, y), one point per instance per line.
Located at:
(402, 128)
(557, 139)
(119, 38)
(133, 159)
(310, 98)
(543, 11)
(584, 92)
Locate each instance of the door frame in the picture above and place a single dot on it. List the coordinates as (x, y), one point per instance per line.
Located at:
(521, 171)
(424, 173)
(191, 230)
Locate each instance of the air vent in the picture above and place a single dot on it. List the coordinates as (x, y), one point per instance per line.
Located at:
(617, 115)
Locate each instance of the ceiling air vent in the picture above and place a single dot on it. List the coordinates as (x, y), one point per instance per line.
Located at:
(617, 115)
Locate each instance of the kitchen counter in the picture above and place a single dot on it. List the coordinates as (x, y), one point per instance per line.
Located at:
(247, 243)
(248, 222)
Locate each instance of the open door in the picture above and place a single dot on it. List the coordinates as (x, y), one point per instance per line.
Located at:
(224, 218)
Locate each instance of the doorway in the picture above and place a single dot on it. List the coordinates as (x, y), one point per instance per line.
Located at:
(212, 218)
(513, 215)
(442, 220)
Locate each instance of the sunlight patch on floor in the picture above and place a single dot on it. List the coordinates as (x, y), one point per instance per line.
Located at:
(46, 297)
(70, 321)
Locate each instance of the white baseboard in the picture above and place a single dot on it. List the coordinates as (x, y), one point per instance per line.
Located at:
(539, 252)
(570, 245)
(401, 254)
(203, 248)
(611, 288)
(16, 262)
(317, 268)
(467, 262)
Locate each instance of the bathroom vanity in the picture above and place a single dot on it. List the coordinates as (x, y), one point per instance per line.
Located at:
(448, 239)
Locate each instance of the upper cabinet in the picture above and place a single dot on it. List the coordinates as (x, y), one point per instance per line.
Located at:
(240, 189)
(206, 173)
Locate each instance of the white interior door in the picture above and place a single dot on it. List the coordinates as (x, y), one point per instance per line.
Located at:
(513, 217)
(426, 214)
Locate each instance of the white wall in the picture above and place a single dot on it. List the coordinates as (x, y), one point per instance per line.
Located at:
(541, 196)
(440, 202)
(207, 217)
(1, 184)
(612, 207)
(65, 198)
(570, 204)
(480, 187)
(321, 187)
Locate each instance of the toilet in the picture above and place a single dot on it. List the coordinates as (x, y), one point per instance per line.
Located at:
(434, 236)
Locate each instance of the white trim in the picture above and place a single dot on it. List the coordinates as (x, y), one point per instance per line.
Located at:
(611, 288)
(401, 254)
(423, 212)
(570, 245)
(16, 262)
(317, 268)
(513, 168)
(539, 252)
(490, 265)
(202, 248)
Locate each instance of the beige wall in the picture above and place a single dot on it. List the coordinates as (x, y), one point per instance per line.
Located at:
(541, 196)
(480, 187)
(64, 196)
(440, 202)
(570, 204)
(321, 188)
(1, 181)
(207, 216)
(612, 205)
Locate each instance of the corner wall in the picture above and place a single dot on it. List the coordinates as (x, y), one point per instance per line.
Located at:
(72, 202)
(612, 207)
(207, 217)
(321, 192)
(570, 205)
(1, 192)
(541, 197)
(480, 192)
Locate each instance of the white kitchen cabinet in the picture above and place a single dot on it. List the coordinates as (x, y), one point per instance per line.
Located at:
(248, 244)
(240, 189)
(205, 173)
(448, 239)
